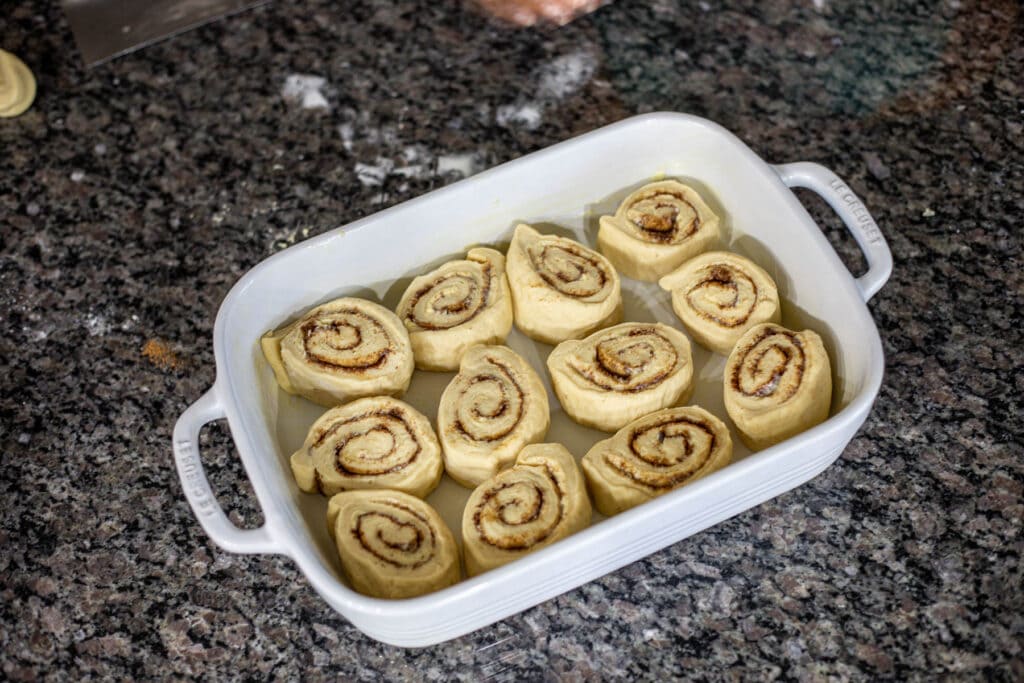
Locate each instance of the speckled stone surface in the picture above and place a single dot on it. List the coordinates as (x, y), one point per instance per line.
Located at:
(133, 195)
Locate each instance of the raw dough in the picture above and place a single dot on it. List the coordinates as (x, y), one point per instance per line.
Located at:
(778, 383)
(539, 501)
(391, 544)
(495, 405)
(342, 350)
(721, 295)
(560, 289)
(621, 373)
(654, 455)
(656, 228)
(462, 303)
(372, 443)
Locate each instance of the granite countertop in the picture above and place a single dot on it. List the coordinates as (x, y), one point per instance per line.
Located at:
(134, 194)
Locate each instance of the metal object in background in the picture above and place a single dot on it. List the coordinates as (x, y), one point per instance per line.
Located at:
(107, 28)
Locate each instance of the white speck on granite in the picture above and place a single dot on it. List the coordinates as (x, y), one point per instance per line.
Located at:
(557, 80)
(565, 75)
(305, 90)
(412, 153)
(410, 171)
(464, 164)
(526, 116)
(347, 133)
(372, 175)
(97, 325)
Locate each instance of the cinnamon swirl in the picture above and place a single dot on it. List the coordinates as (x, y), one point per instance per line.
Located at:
(392, 545)
(721, 295)
(654, 455)
(372, 443)
(777, 384)
(345, 349)
(495, 405)
(621, 373)
(540, 500)
(560, 289)
(462, 303)
(657, 228)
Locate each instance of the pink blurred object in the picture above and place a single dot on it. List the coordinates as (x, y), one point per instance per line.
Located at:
(530, 12)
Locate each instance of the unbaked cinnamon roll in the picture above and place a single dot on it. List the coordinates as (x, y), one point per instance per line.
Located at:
(777, 384)
(654, 455)
(540, 500)
(621, 373)
(391, 544)
(372, 443)
(462, 303)
(656, 229)
(721, 295)
(495, 405)
(345, 349)
(560, 289)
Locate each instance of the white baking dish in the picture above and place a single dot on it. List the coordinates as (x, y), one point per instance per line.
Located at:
(569, 185)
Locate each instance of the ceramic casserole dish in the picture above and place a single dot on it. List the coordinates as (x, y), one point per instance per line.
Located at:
(565, 187)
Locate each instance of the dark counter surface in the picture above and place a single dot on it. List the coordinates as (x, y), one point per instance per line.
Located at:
(134, 194)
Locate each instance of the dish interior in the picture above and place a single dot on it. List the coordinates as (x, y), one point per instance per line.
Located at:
(561, 190)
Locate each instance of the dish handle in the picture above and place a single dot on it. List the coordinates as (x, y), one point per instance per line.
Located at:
(197, 488)
(853, 213)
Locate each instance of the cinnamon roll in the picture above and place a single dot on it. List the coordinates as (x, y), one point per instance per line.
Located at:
(621, 373)
(540, 500)
(654, 455)
(391, 544)
(777, 384)
(495, 405)
(345, 349)
(657, 228)
(462, 303)
(721, 295)
(560, 289)
(372, 443)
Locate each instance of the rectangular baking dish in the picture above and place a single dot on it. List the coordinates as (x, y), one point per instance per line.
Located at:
(568, 185)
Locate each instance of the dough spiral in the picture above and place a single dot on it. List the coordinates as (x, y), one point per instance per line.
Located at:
(372, 443)
(657, 228)
(560, 289)
(495, 405)
(721, 295)
(345, 349)
(391, 544)
(462, 303)
(621, 373)
(777, 384)
(538, 501)
(654, 455)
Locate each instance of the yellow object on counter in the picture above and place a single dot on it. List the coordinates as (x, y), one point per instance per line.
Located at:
(17, 86)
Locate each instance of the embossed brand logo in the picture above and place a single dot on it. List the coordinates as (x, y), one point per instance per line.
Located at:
(860, 212)
(195, 483)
